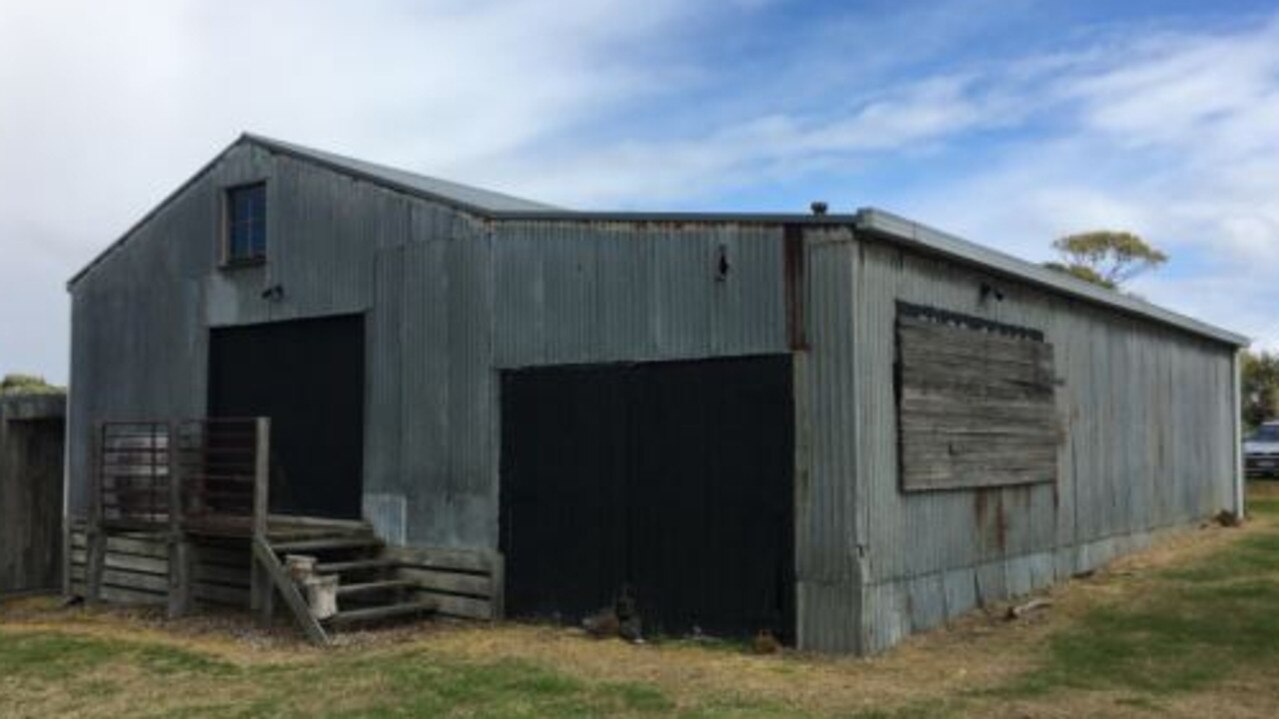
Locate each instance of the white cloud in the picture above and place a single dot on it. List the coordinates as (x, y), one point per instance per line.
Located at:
(760, 149)
(1175, 139)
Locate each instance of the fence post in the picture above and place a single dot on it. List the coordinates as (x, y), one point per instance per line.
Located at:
(262, 593)
(180, 559)
(95, 539)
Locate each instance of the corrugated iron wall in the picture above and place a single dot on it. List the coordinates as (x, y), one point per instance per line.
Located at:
(828, 557)
(452, 299)
(140, 319)
(1147, 446)
(452, 312)
(574, 292)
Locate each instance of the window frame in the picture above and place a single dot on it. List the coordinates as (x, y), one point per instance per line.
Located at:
(226, 259)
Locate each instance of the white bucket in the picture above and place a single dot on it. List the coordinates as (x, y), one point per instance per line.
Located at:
(301, 567)
(322, 595)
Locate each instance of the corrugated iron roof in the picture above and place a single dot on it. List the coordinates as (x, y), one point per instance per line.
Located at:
(467, 196)
(900, 229)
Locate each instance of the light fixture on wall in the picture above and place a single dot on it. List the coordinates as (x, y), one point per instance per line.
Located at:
(275, 293)
(989, 291)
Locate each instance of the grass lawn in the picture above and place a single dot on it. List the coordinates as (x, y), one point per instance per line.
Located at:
(1188, 628)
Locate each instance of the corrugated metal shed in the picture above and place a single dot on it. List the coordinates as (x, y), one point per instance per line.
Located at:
(458, 284)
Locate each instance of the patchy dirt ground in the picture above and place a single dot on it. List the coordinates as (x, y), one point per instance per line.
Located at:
(1113, 644)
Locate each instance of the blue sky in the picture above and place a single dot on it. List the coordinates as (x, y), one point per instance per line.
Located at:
(1007, 122)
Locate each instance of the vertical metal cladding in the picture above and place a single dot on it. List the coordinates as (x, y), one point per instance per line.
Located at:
(465, 298)
(491, 296)
(586, 291)
(1146, 412)
(138, 338)
(827, 517)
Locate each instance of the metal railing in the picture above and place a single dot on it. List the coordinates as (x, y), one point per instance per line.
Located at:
(133, 470)
(206, 471)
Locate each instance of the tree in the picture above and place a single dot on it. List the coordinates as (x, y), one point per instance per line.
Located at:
(25, 384)
(1260, 388)
(1105, 257)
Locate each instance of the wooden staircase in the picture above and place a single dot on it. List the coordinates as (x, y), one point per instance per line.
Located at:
(369, 590)
(173, 502)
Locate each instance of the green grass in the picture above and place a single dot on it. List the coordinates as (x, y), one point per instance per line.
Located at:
(59, 656)
(404, 684)
(1188, 629)
(1196, 625)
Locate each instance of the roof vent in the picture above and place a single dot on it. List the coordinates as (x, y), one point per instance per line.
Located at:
(818, 207)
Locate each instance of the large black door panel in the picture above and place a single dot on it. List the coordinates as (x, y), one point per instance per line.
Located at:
(308, 377)
(672, 481)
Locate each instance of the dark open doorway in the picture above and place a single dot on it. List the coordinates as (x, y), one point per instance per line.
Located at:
(674, 479)
(308, 377)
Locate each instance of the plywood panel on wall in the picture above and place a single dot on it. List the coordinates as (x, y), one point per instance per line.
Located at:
(975, 403)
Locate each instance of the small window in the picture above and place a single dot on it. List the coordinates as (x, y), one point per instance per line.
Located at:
(246, 224)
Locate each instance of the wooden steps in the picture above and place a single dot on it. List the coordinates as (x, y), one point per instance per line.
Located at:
(375, 614)
(325, 544)
(356, 565)
(385, 585)
(199, 541)
(369, 586)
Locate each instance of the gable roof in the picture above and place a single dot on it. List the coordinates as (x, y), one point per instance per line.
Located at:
(465, 196)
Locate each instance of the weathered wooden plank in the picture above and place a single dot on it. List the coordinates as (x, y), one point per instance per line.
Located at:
(450, 582)
(949, 333)
(266, 559)
(124, 579)
(222, 575)
(950, 403)
(924, 362)
(123, 595)
(30, 493)
(180, 577)
(458, 606)
(498, 579)
(373, 614)
(468, 560)
(221, 594)
(148, 547)
(975, 408)
(129, 562)
(135, 580)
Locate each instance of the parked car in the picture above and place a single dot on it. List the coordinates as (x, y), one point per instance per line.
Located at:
(1261, 451)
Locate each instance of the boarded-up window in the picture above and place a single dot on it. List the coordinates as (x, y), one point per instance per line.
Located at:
(975, 402)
